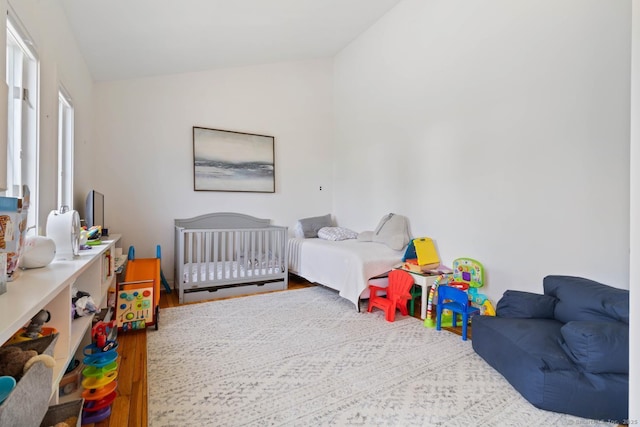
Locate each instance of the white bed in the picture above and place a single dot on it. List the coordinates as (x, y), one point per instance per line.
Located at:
(345, 265)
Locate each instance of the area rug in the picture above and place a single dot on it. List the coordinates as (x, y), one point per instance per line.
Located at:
(307, 358)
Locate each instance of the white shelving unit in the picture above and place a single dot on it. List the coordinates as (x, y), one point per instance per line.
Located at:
(51, 288)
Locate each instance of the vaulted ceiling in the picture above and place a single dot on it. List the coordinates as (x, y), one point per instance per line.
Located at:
(123, 39)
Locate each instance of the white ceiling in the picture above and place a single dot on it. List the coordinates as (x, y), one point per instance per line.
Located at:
(122, 39)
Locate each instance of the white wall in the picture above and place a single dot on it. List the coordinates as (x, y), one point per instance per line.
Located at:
(500, 128)
(144, 146)
(634, 334)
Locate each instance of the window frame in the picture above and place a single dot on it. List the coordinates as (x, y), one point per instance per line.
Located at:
(23, 80)
(66, 116)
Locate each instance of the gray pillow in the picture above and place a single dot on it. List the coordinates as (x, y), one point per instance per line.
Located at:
(309, 226)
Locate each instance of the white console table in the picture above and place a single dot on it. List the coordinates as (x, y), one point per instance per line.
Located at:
(50, 288)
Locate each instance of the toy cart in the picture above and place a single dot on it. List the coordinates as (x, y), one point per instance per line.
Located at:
(138, 296)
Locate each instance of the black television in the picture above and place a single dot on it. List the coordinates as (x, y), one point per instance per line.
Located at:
(94, 210)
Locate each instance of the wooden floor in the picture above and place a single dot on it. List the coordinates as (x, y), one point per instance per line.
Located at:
(130, 407)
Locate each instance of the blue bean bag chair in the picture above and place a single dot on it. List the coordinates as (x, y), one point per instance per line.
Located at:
(565, 351)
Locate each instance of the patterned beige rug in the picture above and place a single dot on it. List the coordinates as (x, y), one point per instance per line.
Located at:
(307, 358)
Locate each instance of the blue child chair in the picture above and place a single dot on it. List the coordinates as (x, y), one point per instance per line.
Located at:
(456, 300)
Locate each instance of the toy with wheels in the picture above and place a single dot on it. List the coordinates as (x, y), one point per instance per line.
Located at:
(138, 297)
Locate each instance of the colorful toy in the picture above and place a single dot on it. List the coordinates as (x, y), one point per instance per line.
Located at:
(99, 404)
(427, 253)
(94, 232)
(421, 255)
(100, 374)
(487, 309)
(101, 349)
(7, 384)
(138, 296)
(442, 279)
(95, 417)
(35, 329)
(99, 334)
(96, 394)
(468, 275)
(99, 381)
(98, 359)
(481, 301)
(97, 372)
(469, 271)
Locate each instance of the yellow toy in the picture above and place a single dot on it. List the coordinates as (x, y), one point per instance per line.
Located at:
(482, 302)
(488, 309)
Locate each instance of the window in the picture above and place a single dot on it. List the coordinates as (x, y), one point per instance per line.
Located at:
(65, 149)
(22, 137)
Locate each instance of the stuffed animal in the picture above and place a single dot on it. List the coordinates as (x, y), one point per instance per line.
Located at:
(69, 422)
(15, 362)
(13, 359)
(48, 361)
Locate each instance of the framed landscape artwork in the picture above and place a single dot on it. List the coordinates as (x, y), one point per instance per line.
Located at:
(232, 161)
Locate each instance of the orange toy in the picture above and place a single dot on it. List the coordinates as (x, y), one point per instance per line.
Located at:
(138, 297)
(100, 392)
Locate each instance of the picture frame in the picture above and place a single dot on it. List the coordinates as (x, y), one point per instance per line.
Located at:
(226, 160)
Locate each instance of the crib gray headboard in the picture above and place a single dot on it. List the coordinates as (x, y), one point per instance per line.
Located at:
(224, 220)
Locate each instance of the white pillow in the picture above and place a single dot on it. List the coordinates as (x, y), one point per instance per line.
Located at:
(336, 233)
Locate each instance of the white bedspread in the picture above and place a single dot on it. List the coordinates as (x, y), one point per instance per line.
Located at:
(345, 265)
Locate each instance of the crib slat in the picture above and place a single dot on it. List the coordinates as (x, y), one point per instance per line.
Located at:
(216, 254)
(245, 250)
(190, 256)
(264, 267)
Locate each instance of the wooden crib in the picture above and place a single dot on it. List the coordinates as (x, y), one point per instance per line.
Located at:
(226, 254)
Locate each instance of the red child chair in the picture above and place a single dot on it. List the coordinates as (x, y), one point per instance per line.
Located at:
(398, 293)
